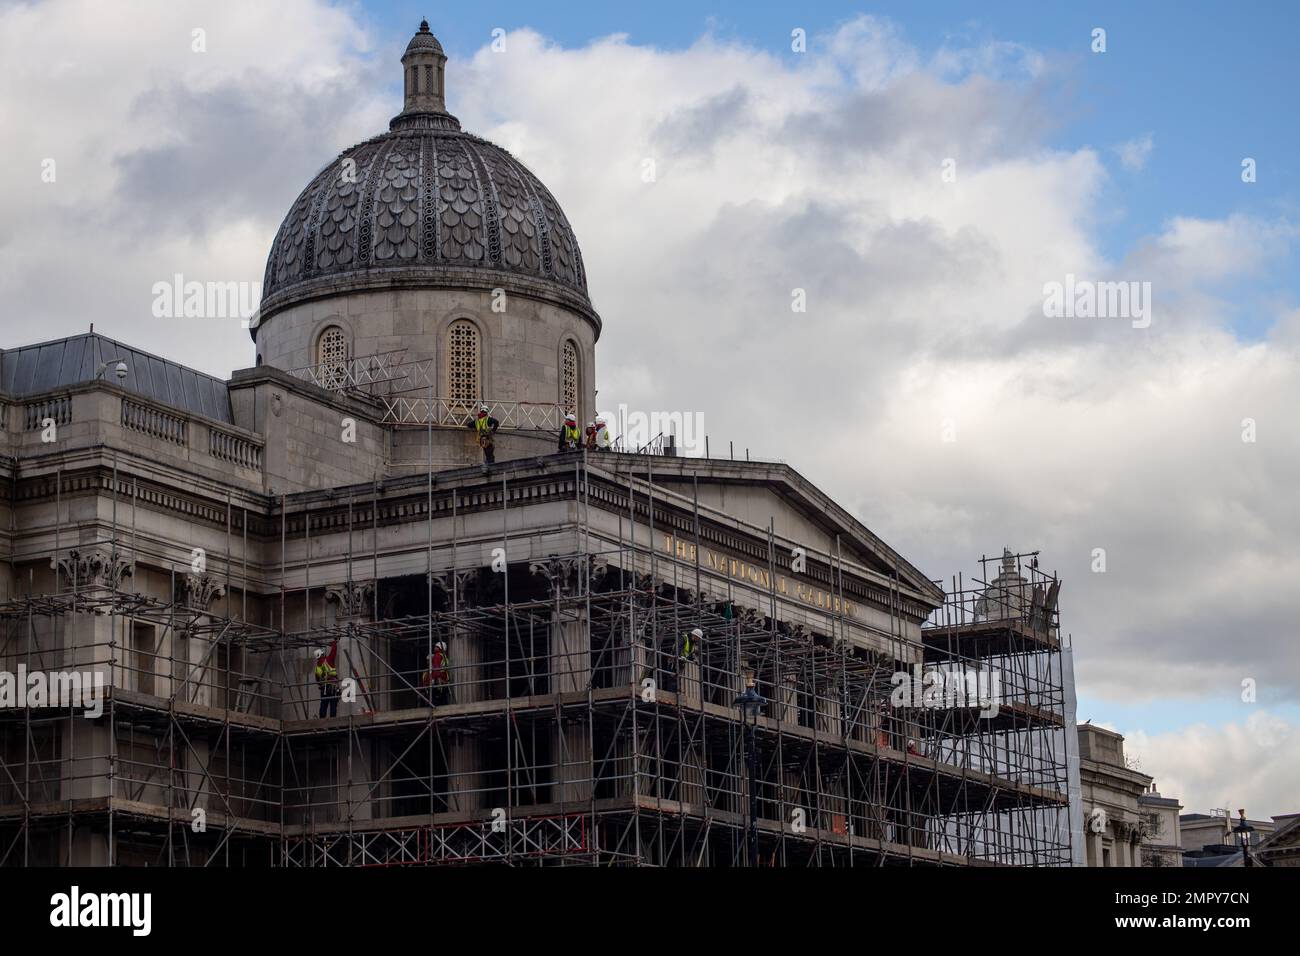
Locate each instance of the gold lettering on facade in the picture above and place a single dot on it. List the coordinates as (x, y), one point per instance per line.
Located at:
(760, 577)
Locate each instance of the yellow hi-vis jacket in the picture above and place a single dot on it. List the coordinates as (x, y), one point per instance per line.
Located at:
(571, 435)
(326, 673)
(483, 424)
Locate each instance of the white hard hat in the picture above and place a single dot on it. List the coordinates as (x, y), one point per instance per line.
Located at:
(318, 652)
(600, 420)
(441, 646)
(570, 417)
(482, 408)
(697, 634)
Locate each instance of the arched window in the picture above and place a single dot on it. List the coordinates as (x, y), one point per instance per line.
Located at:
(332, 357)
(463, 386)
(569, 378)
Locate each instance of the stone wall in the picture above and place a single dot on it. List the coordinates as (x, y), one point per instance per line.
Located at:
(520, 346)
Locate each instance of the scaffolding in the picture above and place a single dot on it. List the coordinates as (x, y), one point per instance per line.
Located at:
(403, 391)
(576, 729)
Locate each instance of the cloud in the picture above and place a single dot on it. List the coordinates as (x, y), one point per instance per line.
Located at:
(1250, 763)
(821, 172)
(167, 160)
(1133, 153)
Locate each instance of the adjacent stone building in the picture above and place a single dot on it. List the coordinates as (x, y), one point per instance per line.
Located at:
(1112, 815)
(1161, 836)
(1282, 846)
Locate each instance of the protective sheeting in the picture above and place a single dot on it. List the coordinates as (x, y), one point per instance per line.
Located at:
(1078, 846)
(34, 369)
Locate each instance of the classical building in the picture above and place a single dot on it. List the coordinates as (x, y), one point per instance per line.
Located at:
(649, 659)
(1281, 847)
(1112, 815)
(1162, 844)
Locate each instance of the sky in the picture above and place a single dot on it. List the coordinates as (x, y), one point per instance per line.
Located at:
(921, 172)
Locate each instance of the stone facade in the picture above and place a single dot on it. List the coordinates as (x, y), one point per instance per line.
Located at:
(521, 338)
(1112, 818)
(1161, 835)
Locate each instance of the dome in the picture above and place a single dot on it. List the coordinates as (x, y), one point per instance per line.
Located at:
(424, 204)
(423, 39)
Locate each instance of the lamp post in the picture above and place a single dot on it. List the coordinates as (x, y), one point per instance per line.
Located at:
(1243, 831)
(750, 703)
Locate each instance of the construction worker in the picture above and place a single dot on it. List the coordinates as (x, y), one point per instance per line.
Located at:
(882, 730)
(327, 678)
(570, 433)
(589, 437)
(485, 428)
(602, 441)
(438, 676)
(691, 644)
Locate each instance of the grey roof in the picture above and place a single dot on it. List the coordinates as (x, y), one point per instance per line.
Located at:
(424, 40)
(423, 202)
(425, 199)
(33, 369)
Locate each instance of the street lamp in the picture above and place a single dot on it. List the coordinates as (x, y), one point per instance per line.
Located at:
(750, 703)
(1243, 831)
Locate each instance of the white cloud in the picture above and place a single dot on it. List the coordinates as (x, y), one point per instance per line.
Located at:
(1133, 153)
(167, 160)
(1253, 763)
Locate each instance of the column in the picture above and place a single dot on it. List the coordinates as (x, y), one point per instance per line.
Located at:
(570, 657)
(571, 754)
(688, 682)
(828, 712)
(464, 773)
(468, 674)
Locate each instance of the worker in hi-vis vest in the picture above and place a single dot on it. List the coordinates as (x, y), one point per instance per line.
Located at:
(438, 677)
(691, 644)
(327, 678)
(602, 441)
(485, 430)
(570, 433)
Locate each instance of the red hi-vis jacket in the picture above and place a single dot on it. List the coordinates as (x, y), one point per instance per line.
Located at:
(437, 673)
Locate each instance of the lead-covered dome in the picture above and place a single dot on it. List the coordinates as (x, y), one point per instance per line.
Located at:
(424, 204)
